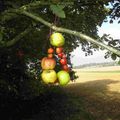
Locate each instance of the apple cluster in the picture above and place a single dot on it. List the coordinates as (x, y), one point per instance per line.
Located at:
(48, 64)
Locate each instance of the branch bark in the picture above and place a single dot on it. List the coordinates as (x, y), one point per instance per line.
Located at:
(75, 33)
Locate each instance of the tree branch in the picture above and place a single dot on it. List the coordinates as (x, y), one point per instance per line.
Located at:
(5, 15)
(75, 33)
(17, 38)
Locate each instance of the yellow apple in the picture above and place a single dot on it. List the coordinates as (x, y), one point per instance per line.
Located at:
(49, 76)
(57, 39)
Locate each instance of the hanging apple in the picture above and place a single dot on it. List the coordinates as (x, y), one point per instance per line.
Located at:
(60, 55)
(63, 77)
(64, 56)
(66, 68)
(59, 50)
(50, 55)
(56, 58)
(49, 76)
(63, 61)
(48, 63)
(57, 39)
(50, 50)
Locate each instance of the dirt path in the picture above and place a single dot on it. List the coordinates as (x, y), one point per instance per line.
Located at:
(99, 88)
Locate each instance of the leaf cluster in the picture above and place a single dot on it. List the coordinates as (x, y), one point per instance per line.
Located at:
(83, 16)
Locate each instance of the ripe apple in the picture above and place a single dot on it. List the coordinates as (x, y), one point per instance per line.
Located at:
(59, 50)
(50, 50)
(48, 63)
(57, 40)
(66, 68)
(49, 76)
(63, 61)
(60, 55)
(63, 77)
(64, 56)
(50, 55)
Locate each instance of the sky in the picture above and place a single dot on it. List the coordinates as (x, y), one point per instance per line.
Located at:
(79, 57)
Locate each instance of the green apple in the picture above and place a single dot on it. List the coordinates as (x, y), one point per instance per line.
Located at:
(63, 77)
(49, 76)
(57, 40)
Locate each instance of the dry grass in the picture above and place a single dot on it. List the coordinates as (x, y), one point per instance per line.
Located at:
(99, 88)
(102, 73)
(109, 68)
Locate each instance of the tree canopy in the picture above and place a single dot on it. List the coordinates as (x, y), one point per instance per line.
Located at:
(27, 24)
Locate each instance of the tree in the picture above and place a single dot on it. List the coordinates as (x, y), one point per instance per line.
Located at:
(20, 18)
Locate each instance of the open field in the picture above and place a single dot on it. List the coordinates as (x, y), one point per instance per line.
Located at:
(111, 73)
(108, 68)
(99, 90)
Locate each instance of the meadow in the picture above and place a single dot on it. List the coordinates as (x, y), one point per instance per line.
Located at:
(99, 91)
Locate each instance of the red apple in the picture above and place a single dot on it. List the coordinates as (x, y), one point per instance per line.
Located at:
(48, 63)
(50, 55)
(49, 76)
(50, 50)
(63, 77)
(59, 50)
(60, 55)
(64, 56)
(63, 61)
(66, 68)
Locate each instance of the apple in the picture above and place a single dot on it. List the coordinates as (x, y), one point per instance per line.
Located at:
(49, 76)
(63, 77)
(59, 50)
(64, 56)
(50, 55)
(57, 40)
(66, 68)
(63, 61)
(48, 63)
(60, 55)
(50, 50)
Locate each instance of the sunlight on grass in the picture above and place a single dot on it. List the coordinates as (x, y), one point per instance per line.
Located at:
(99, 92)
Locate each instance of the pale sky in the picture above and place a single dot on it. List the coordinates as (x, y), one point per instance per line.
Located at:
(79, 57)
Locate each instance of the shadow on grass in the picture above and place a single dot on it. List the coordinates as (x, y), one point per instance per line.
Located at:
(97, 99)
(81, 101)
(54, 104)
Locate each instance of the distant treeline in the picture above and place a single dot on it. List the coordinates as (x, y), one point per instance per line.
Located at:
(98, 64)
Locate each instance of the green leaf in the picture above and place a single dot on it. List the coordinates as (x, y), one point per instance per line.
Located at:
(61, 6)
(113, 56)
(119, 62)
(58, 10)
(1, 36)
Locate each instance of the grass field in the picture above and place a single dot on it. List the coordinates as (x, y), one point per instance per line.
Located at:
(99, 90)
(101, 74)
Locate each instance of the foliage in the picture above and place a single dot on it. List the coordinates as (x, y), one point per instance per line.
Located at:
(83, 16)
(115, 10)
(111, 42)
